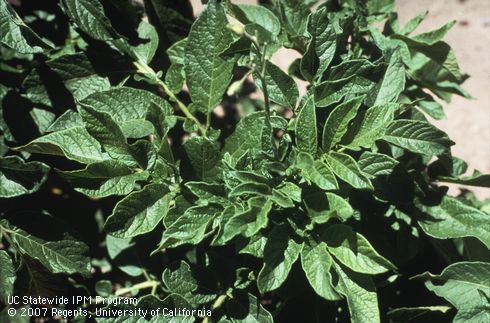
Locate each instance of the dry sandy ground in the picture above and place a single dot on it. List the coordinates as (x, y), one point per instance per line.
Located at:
(468, 121)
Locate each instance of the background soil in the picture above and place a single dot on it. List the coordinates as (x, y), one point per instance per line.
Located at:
(468, 121)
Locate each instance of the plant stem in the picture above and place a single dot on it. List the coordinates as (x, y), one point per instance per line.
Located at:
(217, 304)
(219, 301)
(264, 83)
(144, 69)
(263, 62)
(153, 284)
(262, 52)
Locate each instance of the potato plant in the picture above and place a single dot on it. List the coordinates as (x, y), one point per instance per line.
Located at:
(149, 154)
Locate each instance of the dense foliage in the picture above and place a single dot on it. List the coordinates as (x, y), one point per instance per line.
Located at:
(213, 184)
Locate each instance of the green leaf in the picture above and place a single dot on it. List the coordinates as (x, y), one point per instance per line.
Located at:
(476, 179)
(181, 281)
(175, 77)
(392, 84)
(317, 263)
(413, 23)
(290, 190)
(432, 108)
(346, 168)
(250, 188)
(73, 143)
(350, 68)
(338, 122)
(454, 219)
(247, 135)
(407, 314)
(306, 129)
(69, 119)
(330, 92)
(316, 171)
(176, 52)
(124, 254)
(286, 194)
(280, 253)
(207, 193)
(78, 74)
(380, 8)
(376, 164)
(281, 87)
(466, 286)
(147, 49)
(190, 228)
(247, 309)
(434, 63)
(104, 179)
(172, 19)
(139, 212)
(432, 37)
(7, 276)
(89, 16)
(476, 314)
(361, 295)
(207, 73)
(245, 177)
(105, 130)
(322, 46)
(15, 34)
(418, 136)
(249, 221)
(255, 246)
(354, 251)
(295, 17)
(322, 206)
(59, 253)
(115, 102)
(203, 155)
(372, 125)
(18, 177)
(257, 15)
(137, 128)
